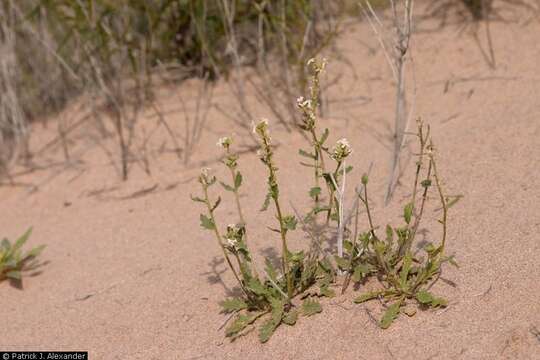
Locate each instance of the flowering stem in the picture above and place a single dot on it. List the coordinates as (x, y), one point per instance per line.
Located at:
(219, 238)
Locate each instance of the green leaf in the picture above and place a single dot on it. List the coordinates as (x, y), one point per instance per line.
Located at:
(233, 304)
(361, 271)
(367, 296)
(197, 199)
(256, 286)
(277, 310)
(270, 270)
(324, 136)
(311, 307)
(218, 201)
(424, 297)
(35, 251)
(226, 187)
(389, 234)
(439, 302)
(240, 323)
(342, 263)
(291, 317)
(290, 222)
(407, 262)
(314, 192)
(326, 291)
(238, 180)
(207, 222)
(266, 331)
(307, 154)
(266, 202)
(20, 241)
(390, 315)
(426, 183)
(407, 212)
(14, 274)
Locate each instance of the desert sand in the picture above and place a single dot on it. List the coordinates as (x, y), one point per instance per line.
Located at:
(129, 273)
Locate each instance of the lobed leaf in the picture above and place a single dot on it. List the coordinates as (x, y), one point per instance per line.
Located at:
(207, 222)
(311, 307)
(266, 331)
(390, 315)
(232, 305)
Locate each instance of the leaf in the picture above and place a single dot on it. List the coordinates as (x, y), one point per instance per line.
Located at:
(442, 302)
(367, 296)
(197, 199)
(291, 317)
(255, 285)
(226, 187)
(14, 274)
(20, 241)
(389, 234)
(270, 270)
(342, 263)
(324, 136)
(266, 202)
(407, 212)
(311, 307)
(35, 251)
(426, 183)
(233, 304)
(266, 331)
(314, 192)
(306, 154)
(218, 201)
(424, 297)
(326, 291)
(207, 222)
(290, 222)
(361, 271)
(390, 315)
(451, 259)
(277, 310)
(238, 180)
(407, 262)
(240, 323)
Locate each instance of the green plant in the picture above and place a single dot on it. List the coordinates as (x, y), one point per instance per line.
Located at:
(279, 291)
(405, 276)
(13, 260)
(276, 293)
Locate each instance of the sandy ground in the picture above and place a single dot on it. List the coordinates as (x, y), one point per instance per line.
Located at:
(130, 275)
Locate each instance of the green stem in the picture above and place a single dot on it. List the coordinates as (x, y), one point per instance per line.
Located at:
(219, 239)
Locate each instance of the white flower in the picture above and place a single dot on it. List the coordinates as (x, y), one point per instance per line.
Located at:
(341, 150)
(224, 142)
(261, 125)
(232, 242)
(205, 171)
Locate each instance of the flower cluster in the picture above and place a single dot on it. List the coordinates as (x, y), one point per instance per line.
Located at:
(316, 65)
(225, 142)
(235, 234)
(308, 113)
(205, 178)
(341, 150)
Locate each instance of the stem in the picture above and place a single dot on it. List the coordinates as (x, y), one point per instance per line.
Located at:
(332, 191)
(220, 241)
(275, 196)
(443, 200)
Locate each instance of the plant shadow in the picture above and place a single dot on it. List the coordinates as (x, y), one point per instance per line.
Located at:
(213, 277)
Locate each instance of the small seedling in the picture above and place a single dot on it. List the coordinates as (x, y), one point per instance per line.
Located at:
(13, 260)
